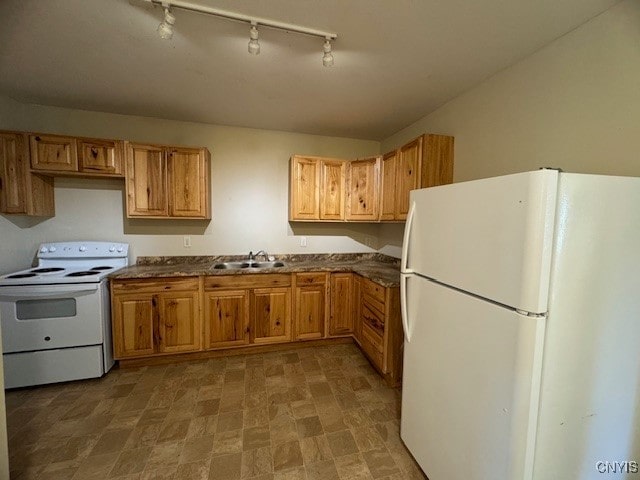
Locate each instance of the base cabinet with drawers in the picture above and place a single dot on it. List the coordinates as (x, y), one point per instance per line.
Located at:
(161, 316)
(379, 328)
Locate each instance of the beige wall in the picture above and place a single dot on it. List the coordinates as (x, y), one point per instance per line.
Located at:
(249, 191)
(575, 104)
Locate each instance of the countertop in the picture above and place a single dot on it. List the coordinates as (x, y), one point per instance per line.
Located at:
(379, 268)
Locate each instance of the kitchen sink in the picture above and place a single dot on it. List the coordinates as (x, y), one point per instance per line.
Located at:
(251, 265)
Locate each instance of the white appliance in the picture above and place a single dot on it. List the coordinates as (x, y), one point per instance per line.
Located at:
(521, 312)
(56, 317)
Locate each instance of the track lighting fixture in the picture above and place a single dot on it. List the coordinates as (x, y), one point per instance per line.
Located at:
(254, 45)
(327, 58)
(165, 29)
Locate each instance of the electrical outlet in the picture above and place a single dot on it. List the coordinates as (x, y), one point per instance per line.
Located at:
(186, 241)
(303, 241)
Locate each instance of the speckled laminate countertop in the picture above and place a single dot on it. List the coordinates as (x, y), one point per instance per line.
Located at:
(374, 266)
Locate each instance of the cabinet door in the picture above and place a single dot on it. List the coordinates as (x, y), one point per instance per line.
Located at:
(407, 175)
(179, 326)
(101, 156)
(146, 181)
(226, 318)
(332, 189)
(188, 183)
(437, 163)
(363, 201)
(270, 315)
(22, 192)
(54, 153)
(310, 311)
(342, 301)
(388, 186)
(304, 197)
(357, 307)
(134, 317)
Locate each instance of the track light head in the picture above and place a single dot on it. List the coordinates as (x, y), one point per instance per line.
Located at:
(165, 29)
(327, 57)
(254, 45)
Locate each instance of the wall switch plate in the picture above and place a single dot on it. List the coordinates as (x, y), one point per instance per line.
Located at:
(303, 241)
(186, 241)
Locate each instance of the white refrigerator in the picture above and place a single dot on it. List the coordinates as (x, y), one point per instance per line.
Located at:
(521, 310)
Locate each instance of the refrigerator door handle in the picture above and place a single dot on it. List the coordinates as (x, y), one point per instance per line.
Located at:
(404, 266)
(403, 307)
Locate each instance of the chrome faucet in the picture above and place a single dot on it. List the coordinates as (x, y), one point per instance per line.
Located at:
(252, 256)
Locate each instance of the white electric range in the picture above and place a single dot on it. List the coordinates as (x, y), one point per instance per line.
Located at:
(56, 317)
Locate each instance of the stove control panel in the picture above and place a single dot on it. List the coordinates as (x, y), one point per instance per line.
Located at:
(83, 250)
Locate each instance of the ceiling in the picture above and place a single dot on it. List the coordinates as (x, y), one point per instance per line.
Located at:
(395, 61)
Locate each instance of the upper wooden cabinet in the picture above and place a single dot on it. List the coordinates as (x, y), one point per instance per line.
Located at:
(426, 161)
(388, 167)
(22, 192)
(332, 189)
(167, 182)
(100, 156)
(76, 156)
(317, 188)
(363, 189)
(373, 189)
(53, 153)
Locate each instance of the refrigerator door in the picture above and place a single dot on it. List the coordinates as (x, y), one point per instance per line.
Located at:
(590, 396)
(471, 384)
(490, 237)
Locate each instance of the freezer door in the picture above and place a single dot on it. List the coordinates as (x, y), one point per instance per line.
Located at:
(470, 386)
(491, 237)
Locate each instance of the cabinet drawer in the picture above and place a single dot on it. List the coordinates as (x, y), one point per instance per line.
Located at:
(372, 345)
(248, 281)
(374, 290)
(155, 285)
(372, 318)
(310, 279)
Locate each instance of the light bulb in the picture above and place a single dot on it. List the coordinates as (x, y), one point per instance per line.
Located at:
(327, 57)
(254, 45)
(165, 29)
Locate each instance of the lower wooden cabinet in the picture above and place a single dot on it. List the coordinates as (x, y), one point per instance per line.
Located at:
(226, 317)
(178, 315)
(155, 317)
(379, 328)
(270, 316)
(341, 316)
(310, 305)
(244, 309)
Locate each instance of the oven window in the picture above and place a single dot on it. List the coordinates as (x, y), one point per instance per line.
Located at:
(46, 308)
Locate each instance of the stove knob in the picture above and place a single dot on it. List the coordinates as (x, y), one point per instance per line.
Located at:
(112, 248)
(83, 248)
(120, 249)
(52, 249)
(44, 250)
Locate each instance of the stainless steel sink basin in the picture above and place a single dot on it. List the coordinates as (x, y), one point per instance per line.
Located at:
(234, 265)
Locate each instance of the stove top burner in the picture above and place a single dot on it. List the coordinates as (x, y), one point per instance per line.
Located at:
(22, 275)
(47, 270)
(80, 274)
(102, 267)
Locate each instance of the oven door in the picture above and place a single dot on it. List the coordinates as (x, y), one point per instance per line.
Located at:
(41, 317)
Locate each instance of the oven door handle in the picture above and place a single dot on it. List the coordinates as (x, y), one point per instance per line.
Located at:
(33, 292)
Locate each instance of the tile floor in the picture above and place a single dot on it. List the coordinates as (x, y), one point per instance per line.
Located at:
(309, 413)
